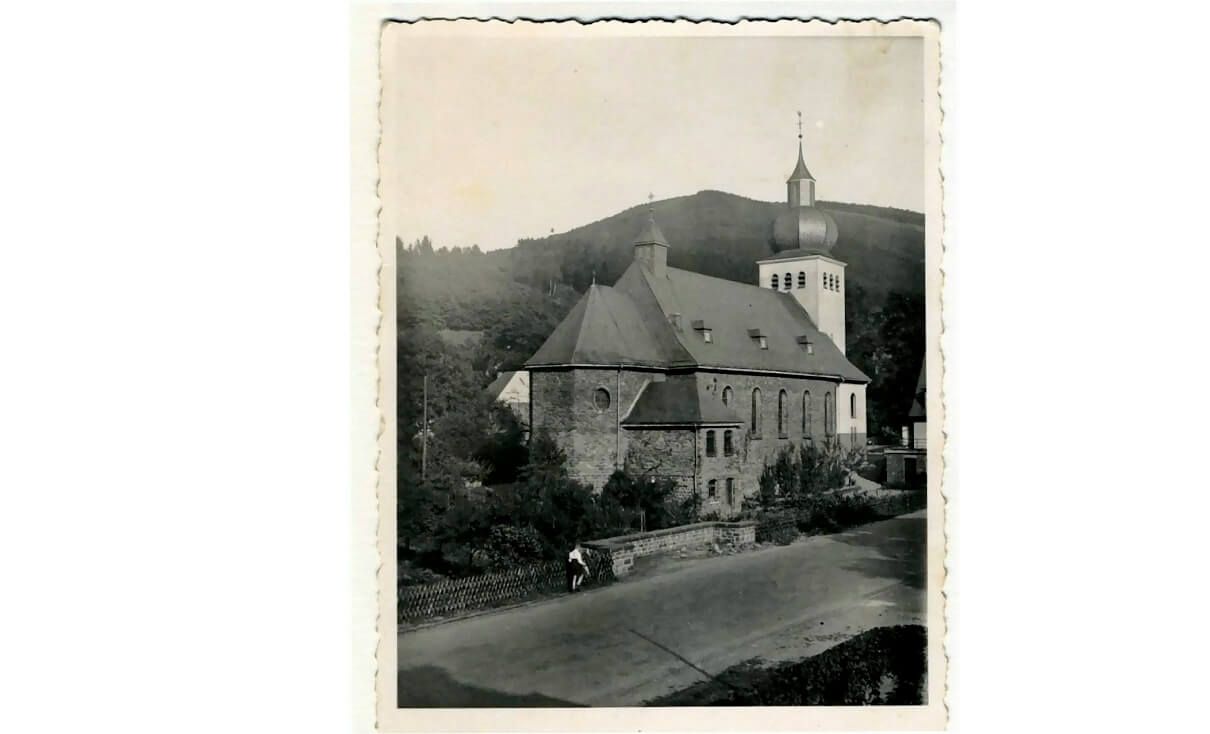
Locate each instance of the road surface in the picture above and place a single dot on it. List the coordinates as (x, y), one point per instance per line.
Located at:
(657, 631)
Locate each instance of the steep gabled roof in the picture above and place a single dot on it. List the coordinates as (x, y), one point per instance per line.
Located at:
(607, 328)
(730, 309)
(680, 399)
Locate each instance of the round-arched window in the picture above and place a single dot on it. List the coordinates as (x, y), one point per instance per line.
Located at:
(727, 395)
(600, 398)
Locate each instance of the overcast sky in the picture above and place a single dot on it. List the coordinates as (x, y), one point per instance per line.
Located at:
(488, 140)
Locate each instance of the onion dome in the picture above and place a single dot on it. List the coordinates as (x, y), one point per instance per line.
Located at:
(805, 228)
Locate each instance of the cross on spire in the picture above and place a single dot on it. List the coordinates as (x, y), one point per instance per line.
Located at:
(800, 126)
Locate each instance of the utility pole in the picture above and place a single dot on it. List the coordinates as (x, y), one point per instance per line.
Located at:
(424, 433)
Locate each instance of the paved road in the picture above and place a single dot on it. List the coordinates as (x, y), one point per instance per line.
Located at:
(628, 643)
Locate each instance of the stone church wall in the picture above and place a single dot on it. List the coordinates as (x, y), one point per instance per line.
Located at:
(563, 404)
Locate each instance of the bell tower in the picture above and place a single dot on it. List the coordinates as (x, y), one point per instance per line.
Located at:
(803, 264)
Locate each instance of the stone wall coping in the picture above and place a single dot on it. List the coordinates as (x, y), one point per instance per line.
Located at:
(618, 540)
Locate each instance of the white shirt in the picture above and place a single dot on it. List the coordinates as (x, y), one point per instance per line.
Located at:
(575, 556)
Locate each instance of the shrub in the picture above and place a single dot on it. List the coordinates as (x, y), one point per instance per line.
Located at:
(885, 666)
(508, 547)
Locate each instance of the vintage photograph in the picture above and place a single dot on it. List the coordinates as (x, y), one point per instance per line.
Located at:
(665, 320)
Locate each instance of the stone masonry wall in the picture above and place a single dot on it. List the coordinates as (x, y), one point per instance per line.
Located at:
(754, 451)
(663, 453)
(562, 404)
(624, 549)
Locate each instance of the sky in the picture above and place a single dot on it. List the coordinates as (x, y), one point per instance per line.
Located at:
(490, 139)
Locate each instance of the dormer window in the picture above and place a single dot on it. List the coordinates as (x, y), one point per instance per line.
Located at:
(706, 336)
(759, 337)
(764, 342)
(700, 327)
(807, 345)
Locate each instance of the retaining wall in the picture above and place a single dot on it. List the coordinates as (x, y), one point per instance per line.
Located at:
(624, 549)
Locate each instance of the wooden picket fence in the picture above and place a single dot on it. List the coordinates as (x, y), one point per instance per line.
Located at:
(452, 597)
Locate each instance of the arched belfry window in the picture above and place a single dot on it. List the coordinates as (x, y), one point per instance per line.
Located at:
(802, 279)
(829, 414)
(806, 413)
(783, 414)
(789, 283)
(754, 423)
(775, 281)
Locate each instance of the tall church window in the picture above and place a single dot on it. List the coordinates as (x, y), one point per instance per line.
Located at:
(727, 395)
(730, 490)
(711, 449)
(829, 414)
(775, 281)
(754, 424)
(806, 413)
(712, 488)
(853, 405)
(783, 415)
(788, 281)
(728, 444)
(802, 279)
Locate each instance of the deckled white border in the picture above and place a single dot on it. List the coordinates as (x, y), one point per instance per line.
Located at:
(373, 437)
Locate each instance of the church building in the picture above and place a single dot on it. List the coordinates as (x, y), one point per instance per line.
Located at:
(702, 380)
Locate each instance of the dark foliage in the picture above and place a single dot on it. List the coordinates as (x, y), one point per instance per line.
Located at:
(885, 666)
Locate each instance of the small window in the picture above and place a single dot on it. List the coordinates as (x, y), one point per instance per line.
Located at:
(711, 449)
(789, 284)
(802, 279)
(712, 488)
(601, 399)
(727, 395)
(775, 281)
(853, 405)
(728, 444)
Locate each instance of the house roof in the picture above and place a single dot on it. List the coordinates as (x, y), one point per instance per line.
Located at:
(502, 380)
(730, 310)
(683, 399)
(630, 325)
(607, 328)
